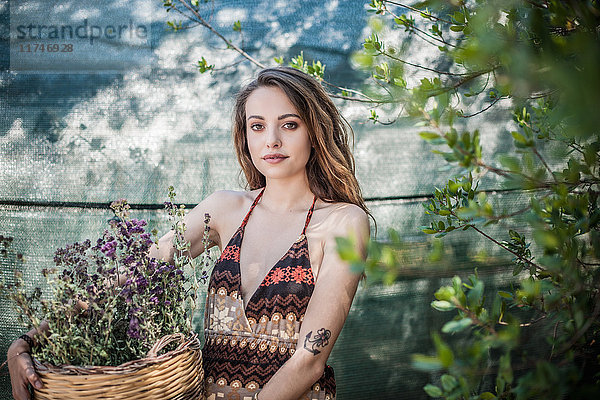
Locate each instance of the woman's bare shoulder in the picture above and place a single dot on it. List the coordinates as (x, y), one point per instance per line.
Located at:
(340, 218)
(227, 196)
(225, 204)
(230, 199)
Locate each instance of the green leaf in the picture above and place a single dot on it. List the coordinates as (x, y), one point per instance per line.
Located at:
(506, 369)
(448, 382)
(357, 267)
(442, 305)
(432, 390)
(487, 396)
(426, 363)
(475, 295)
(521, 140)
(457, 28)
(517, 269)
(589, 155)
(347, 250)
(203, 66)
(237, 26)
(445, 293)
(547, 239)
(450, 157)
(510, 162)
(456, 326)
(444, 353)
(506, 295)
(456, 283)
(459, 17)
(399, 82)
(429, 135)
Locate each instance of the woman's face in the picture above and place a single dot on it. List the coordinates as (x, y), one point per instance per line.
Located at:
(277, 138)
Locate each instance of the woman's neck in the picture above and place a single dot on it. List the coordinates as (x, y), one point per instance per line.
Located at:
(287, 195)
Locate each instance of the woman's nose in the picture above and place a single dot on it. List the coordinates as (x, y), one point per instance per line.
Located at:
(273, 139)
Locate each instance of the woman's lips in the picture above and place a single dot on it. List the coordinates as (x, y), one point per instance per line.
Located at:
(274, 158)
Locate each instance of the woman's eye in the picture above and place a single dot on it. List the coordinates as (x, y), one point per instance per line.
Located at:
(290, 125)
(256, 127)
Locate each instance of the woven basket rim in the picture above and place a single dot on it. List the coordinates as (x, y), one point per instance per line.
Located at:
(191, 343)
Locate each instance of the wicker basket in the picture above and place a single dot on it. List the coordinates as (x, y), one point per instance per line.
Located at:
(177, 374)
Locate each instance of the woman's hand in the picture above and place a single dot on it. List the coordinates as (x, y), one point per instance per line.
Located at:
(22, 372)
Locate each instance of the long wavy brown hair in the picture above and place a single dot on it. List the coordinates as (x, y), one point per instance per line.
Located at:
(330, 168)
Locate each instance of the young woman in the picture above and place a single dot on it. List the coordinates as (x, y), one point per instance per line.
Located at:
(279, 294)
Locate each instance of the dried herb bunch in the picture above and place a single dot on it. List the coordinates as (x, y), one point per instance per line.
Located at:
(110, 302)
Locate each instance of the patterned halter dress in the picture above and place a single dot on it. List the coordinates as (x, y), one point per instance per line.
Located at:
(244, 348)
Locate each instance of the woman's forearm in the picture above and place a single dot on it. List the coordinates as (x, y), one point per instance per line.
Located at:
(22, 346)
(164, 250)
(293, 379)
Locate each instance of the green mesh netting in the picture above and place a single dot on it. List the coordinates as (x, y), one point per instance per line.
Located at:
(126, 119)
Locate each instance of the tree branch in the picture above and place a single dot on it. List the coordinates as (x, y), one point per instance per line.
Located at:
(544, 162)
(350, 91)
(231, 45)
(507, 249)
(229, 42)
(423, 13)
(585, 327)
(514, 214)
(486, 108)
(474, 318)
(469, 77)
(414, 28)
(535, 321)
(479, 163)
(423, 67)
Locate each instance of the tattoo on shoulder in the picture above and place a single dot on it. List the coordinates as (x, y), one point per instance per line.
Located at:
(320, 339)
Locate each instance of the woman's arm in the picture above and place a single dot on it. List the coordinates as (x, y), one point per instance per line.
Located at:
(194, 223)
(20, 365)
(327, 310)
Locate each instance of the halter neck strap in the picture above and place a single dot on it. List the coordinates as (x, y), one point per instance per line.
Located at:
(255, 202)
(309, 215)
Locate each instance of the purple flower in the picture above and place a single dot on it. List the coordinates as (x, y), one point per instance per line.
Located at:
(134, 326)
(141, 282)
(157, 290)
(109, 248)
(127, 295)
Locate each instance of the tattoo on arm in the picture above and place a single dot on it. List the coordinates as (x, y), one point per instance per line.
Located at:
(321, 339)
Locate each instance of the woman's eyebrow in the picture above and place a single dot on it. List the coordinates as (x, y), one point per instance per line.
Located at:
(284, 116)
